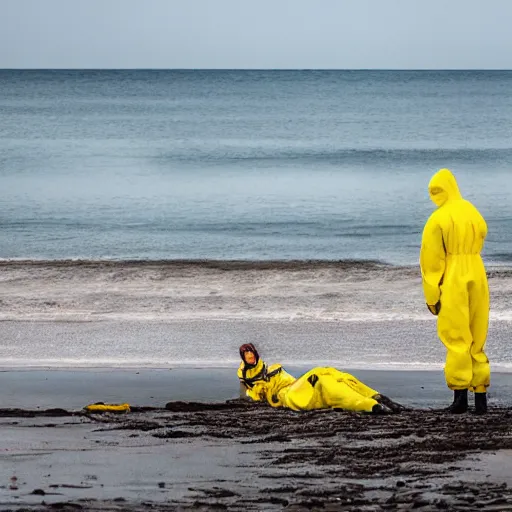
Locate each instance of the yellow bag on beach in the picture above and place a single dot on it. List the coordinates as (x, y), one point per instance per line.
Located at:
(101, 407)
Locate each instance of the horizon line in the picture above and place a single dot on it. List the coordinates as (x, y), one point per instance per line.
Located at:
(242, 69)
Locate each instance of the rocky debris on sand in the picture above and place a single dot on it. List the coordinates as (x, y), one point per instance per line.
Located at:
(330, 460)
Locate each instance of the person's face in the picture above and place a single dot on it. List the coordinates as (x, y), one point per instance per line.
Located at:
(249, 357)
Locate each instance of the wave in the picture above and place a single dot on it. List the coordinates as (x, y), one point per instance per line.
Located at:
(203, 263)
(198, 364)
(355, 267)
(505, 257)
(295, 228)
(297, 366)
(228, 153)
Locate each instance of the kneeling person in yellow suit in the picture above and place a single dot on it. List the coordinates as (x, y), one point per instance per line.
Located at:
(319, 388)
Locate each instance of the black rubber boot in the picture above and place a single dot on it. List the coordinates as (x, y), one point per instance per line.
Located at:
(387, 402)
(480, 403)
(460, 402)
(380, 409)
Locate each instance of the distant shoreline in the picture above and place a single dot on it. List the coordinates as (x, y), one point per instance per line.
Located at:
(493, 270)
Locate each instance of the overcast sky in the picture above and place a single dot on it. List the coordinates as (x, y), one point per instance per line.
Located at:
(418, 34)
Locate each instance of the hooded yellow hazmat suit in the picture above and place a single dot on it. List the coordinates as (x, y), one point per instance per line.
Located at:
(320, 388)
(455, 282)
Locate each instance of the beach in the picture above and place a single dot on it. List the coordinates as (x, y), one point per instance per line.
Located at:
(164, 336)
(229, 454)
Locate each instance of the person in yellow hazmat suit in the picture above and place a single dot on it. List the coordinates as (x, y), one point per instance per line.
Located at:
(456, 290)
(319, 388)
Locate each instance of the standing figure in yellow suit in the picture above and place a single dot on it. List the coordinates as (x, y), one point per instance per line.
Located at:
(320, 388)
(456, 290)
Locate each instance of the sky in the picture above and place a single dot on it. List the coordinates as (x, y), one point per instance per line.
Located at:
(257, 34)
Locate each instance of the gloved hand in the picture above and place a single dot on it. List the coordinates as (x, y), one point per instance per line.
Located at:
(434, 309)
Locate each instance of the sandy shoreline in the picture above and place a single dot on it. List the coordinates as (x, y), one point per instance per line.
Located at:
(71, 389)
(187, 444)
(239, 456)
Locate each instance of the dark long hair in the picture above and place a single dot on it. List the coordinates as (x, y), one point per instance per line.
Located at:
(249, 347)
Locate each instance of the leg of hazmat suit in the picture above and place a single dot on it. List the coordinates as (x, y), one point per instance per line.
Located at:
(462, 324)
(322, 388)
(479, 322)
(454, 332)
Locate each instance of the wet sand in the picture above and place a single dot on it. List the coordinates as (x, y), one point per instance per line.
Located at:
(73, 388)
(235, 455)
(239, 456)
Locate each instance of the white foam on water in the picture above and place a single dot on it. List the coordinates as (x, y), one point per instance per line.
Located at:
(162, 314)
(192, 316)
(375, 365)
(162, 291)
(102, 362)
(123, 363)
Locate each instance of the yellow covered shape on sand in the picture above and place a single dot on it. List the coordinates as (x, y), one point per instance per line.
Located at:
(326, 387)
(319, 388)
(455, 282)
(101, 407)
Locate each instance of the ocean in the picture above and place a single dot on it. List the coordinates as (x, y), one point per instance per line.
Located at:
(156, 166)
(250, 165)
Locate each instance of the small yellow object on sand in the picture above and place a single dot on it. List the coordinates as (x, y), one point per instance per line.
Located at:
(101, 407)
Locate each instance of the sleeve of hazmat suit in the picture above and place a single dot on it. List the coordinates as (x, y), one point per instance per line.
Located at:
(432, 261)
(454, 278)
